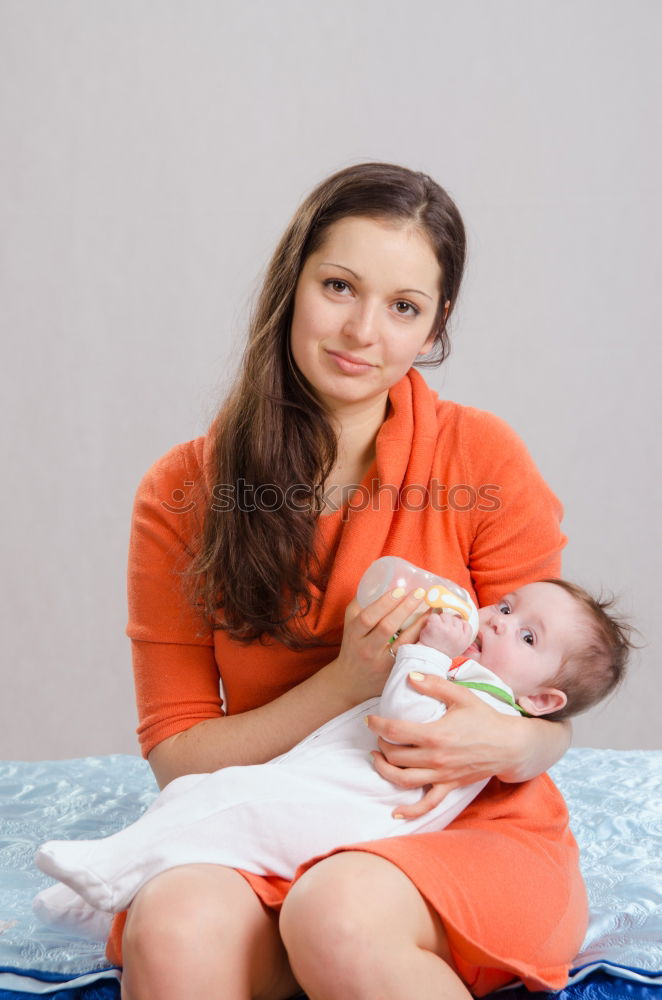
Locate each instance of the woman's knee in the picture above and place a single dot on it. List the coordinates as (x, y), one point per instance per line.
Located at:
(353, 922)
(159, 939)
(170, 911)
(323, 911)
(323, 930)
(201, 924)
(355, 905)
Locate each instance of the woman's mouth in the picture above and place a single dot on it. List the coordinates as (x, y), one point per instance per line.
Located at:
(351, 364)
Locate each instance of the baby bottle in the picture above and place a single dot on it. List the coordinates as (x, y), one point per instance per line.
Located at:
(443, 595)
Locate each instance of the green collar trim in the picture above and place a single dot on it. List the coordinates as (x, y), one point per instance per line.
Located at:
(497, 692)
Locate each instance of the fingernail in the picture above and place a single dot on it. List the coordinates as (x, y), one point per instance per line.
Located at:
(398, 816)
(398, 592)
(365, 719)
(416, 676)
(419, 593)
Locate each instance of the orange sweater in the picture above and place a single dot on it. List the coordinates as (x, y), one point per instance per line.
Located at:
(472, 506)
(499, 531)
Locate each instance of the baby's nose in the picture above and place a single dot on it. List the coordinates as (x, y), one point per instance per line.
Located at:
(498, 623)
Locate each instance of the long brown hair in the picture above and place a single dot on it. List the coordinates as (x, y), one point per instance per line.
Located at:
(253, 568)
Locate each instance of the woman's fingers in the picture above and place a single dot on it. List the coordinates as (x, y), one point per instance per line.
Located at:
(413, 632)
(431, 798)
(399, 734)
(427, 760)
(363, 663)
(404, 777)
(386, 616)
(430, 735)
(470, 742)
(414, 778)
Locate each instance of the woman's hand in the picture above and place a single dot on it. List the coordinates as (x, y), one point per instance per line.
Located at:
(365, 661)
(439, 756)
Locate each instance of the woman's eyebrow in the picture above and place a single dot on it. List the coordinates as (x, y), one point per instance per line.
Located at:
(401, 291)
(330, 263)
(416, 291)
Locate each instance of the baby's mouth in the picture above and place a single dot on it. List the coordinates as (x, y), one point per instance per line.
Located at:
(477, 645)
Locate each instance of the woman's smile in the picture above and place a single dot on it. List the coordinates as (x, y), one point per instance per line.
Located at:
(351, 364)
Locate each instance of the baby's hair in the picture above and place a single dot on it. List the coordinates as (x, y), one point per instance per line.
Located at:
(594, 668)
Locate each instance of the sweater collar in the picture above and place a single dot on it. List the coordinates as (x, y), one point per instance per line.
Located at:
(376, 524)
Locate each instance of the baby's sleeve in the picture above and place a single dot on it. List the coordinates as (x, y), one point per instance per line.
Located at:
(399, 699)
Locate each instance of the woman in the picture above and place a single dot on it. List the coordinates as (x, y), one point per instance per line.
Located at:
(247, 547)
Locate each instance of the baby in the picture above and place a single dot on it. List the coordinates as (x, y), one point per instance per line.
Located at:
(547, 649)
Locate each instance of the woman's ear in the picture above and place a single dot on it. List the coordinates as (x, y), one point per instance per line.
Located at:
(544, 702)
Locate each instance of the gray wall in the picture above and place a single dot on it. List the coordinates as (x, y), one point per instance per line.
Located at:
(151, 152)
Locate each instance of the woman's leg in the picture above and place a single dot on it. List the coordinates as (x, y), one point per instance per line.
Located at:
(356, 928)
(200, 931)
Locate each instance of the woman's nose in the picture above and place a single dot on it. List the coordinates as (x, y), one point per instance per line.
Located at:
(361, 325)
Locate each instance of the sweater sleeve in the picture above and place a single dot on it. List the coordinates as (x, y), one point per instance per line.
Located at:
(175, 671)
(516, 532)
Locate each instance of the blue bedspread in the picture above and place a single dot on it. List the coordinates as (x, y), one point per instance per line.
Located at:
(598, 986)
(615, 805)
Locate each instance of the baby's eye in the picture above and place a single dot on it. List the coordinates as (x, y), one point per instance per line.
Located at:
(503, 607)
(406, 309)
(528, 636)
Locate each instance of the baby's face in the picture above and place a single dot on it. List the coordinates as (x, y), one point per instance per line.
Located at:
(526, 635)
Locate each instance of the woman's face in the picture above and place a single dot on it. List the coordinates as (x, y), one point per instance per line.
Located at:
(364, 308)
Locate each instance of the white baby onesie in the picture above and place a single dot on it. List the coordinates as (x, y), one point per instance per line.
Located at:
(270, 818)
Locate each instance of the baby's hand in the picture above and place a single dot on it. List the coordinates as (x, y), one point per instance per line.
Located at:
(448, 633)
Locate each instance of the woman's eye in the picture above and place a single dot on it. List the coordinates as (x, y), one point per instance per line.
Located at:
(336, 284)
(528, 636)
(406, 309)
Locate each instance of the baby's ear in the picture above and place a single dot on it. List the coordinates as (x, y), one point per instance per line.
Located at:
(544, 702)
